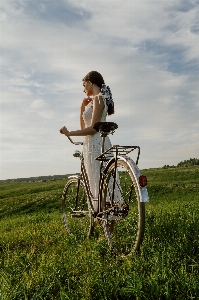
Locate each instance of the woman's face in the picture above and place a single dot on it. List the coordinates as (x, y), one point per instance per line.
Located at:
(88, 88)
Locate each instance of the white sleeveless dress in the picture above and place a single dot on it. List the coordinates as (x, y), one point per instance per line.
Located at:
(92, 147)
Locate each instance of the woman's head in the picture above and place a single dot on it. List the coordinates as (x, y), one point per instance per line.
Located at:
(95, 78)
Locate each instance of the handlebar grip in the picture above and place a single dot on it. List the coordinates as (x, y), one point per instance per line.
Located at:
(75, 143)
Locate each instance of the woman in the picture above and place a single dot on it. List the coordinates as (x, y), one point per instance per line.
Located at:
(93, 110)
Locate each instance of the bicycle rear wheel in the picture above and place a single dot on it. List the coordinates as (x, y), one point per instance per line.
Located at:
(126, 218)
(75, 211)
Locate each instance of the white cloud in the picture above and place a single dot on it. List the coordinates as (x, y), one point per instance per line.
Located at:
(41, 108)
(147, 52)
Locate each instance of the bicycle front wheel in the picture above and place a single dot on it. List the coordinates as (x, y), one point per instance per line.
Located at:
(75, 211)
(126, 214)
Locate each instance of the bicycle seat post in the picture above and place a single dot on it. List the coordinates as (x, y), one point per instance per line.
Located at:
(103, 141)
(105, 128)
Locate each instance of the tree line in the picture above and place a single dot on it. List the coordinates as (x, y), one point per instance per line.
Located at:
(34, 179)
(189, 162)
(185, 163)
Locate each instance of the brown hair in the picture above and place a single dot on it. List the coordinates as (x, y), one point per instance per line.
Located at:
(96, 78)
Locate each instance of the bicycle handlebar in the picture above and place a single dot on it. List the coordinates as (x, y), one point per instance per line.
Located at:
(75, 143)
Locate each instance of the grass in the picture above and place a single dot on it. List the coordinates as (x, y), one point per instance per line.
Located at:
(39, 260)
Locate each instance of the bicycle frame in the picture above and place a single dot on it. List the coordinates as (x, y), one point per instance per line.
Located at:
(84, 178)
(108, 158)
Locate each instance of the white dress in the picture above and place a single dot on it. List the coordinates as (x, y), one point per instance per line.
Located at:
(92, 148)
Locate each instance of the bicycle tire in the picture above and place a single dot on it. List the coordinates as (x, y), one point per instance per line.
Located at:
(128, 232)
(76, 215)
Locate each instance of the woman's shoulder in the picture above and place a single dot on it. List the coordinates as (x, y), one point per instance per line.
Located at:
(99, 98)
(98, 101)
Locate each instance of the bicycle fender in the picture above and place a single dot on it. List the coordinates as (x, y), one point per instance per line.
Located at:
(143, 193)
(74, 176)
(142, 190)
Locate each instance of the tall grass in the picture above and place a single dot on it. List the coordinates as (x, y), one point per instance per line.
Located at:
(40, 261)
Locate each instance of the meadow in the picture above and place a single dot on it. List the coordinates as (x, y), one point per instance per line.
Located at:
(38, 260)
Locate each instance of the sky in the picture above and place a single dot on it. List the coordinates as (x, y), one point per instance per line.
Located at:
(147, 52)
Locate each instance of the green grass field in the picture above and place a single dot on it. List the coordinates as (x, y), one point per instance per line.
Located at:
(39, 260)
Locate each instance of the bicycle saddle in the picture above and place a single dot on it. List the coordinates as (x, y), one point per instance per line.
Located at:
(106, 127)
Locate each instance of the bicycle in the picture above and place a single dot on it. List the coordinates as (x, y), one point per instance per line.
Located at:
(120, 206)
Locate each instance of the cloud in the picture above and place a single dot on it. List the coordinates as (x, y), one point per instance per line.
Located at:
(147, 52)
(41, 108)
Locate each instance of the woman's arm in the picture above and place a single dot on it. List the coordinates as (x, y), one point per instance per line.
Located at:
(85, 102)
(98, 106)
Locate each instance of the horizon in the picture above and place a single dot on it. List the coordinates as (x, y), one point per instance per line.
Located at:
(61, 175)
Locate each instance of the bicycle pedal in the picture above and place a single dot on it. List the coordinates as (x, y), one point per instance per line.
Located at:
(77, 216)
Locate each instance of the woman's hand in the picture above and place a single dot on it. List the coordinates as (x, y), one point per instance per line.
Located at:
(64, 130)
(87, 100)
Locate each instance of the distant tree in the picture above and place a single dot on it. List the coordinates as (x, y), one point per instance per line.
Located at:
(185, 163)
(189, 162)
(166, 167)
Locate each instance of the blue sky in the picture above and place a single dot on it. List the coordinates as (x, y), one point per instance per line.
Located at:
(147, 52)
